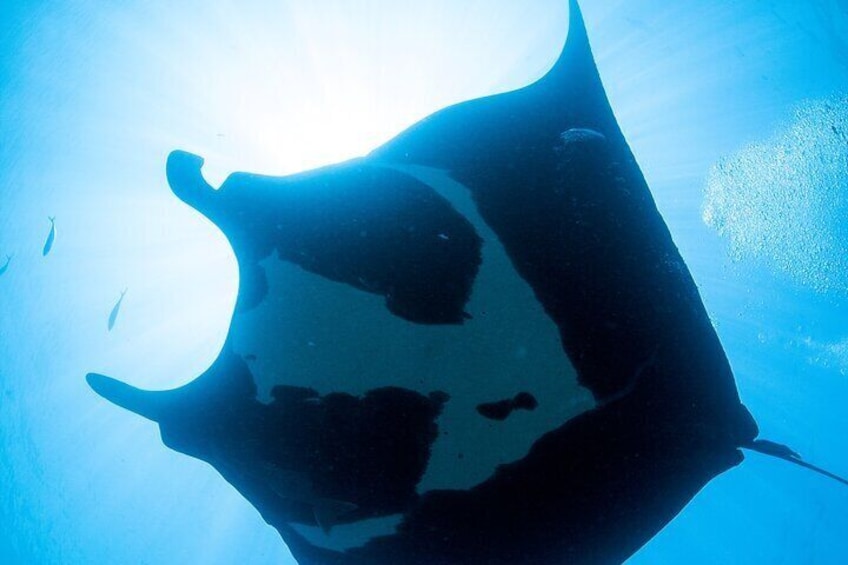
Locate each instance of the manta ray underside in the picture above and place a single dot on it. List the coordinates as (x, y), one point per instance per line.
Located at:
(504, 248)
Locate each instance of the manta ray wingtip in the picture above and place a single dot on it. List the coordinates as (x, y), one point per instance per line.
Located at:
(144, 403)
(576, 25)
(575, 66)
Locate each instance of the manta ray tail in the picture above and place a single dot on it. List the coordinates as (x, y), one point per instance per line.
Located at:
(144, 403)
(773, 449)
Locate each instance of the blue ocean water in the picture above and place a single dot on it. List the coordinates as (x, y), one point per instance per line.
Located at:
(737, 113)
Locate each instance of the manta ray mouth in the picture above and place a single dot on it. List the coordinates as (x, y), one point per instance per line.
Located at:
(371, 233)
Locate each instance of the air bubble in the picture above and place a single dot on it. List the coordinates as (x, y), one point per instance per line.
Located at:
(785, 201)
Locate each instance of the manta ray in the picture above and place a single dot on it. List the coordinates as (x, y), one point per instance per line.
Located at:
(389, 307)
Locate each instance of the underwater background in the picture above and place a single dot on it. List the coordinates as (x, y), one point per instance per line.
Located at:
(737, 113)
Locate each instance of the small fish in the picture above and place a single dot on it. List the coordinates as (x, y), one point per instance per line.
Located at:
(5, 266)
(115, 309)
(51, 237)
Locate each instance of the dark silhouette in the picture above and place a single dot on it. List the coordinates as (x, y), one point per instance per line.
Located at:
(549, 171)
(51, 237)
(502, 409)
(113, 315)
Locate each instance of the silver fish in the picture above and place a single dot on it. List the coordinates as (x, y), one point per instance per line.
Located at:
(51, 237)
(5, 266)
(115, 309)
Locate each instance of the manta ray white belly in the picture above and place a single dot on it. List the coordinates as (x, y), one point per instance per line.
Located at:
(313, 332)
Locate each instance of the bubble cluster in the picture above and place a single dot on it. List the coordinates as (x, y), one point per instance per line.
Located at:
(828, 355)
(785, 200)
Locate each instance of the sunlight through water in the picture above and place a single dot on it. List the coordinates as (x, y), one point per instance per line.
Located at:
(745, 99)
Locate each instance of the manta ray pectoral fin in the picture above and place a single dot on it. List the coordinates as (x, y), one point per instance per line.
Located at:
(144, 403)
